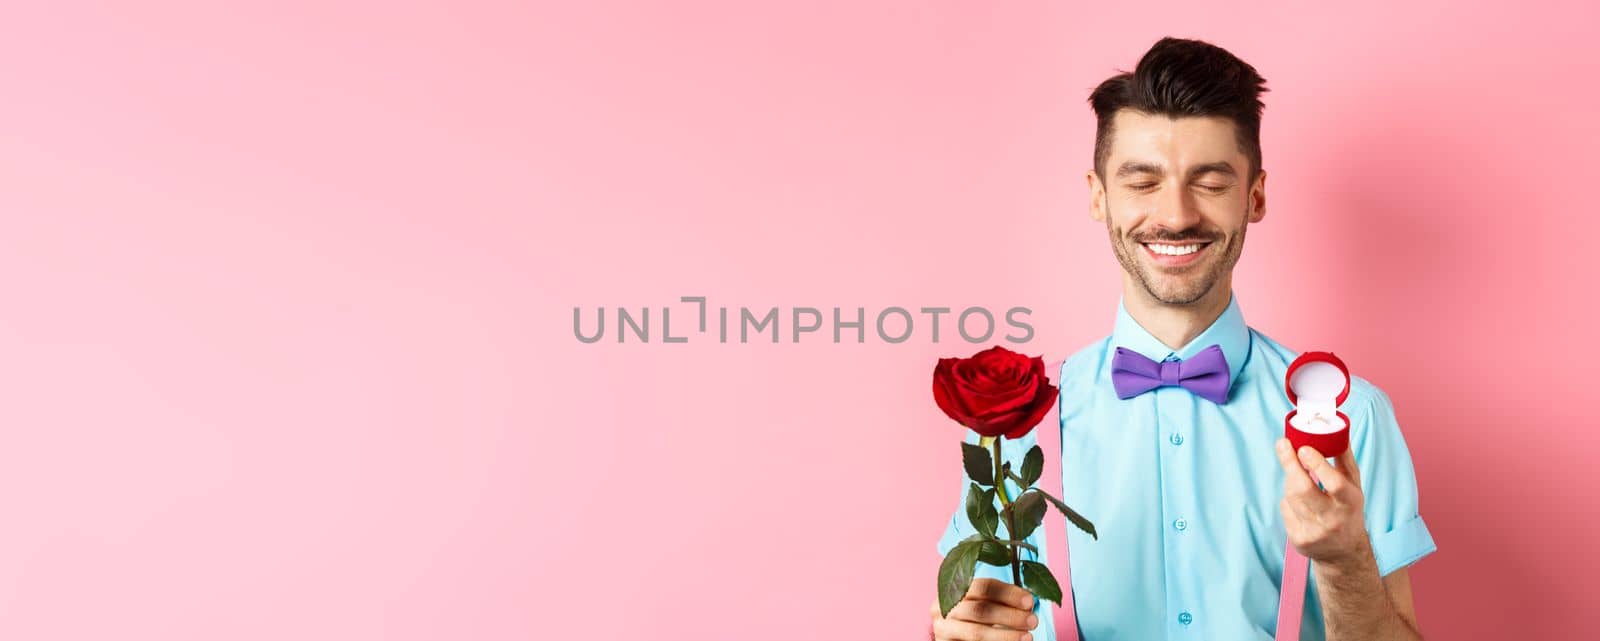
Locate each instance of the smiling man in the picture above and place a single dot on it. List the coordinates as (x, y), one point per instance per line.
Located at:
(1195, 493)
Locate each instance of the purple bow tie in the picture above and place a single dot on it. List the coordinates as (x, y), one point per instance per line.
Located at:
(1205, 374)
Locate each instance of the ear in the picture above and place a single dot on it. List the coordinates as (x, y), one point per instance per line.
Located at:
(1258, 197)
(1097, 197)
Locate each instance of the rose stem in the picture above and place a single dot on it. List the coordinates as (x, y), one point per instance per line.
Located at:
(1011, 519)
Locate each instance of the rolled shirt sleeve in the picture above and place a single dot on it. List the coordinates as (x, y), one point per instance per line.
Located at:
(1388, 481)
(960, 527)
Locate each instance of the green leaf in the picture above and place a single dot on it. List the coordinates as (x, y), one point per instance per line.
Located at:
(1076, 518)
(980, 509)
(1020, 544)
(993, 553)
(1037, 578)
(956, 572)
(980, 467)
(1032, 466)
(1028, 510)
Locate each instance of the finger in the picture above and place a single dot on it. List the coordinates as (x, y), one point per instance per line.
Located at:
(1295, 480)
(1294, 512)
(1000, 592)
(1333, 481)
(1300, 493)
(991, 613)
(1304, 505)
(1347, 465)
(957, 630)
(1291, 512)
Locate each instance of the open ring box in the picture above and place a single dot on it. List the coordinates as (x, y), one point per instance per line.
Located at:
(1317, 383)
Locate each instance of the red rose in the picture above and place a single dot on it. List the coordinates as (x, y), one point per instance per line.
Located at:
(995, 392)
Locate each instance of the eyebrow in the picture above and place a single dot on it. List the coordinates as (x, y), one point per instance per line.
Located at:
(1135, 167)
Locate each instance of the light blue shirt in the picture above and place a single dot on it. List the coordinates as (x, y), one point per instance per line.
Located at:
(1184, 493)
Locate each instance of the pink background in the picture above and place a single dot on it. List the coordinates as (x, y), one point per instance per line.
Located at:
(288, 295)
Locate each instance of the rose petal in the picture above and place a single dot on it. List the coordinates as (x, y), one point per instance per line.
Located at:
(1040, 407)
(1001, 424)
(945, 395)
(1000, 401)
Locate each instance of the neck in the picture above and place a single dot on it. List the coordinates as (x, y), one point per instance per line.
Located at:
(1174, 324)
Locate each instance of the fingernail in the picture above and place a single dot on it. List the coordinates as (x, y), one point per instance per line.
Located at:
(1027, 637)
(1033, 622)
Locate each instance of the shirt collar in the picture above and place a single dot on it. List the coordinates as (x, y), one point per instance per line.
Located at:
(1228, 331)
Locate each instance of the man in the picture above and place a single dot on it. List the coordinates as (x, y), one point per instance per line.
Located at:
(1192, 502)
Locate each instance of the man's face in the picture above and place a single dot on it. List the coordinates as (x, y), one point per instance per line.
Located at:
(1175, 200)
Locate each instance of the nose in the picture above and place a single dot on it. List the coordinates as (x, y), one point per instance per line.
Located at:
(1177, 210)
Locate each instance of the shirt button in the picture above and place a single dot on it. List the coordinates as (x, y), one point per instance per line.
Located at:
(1180, 524)
(1177, 439)
(1185, 618)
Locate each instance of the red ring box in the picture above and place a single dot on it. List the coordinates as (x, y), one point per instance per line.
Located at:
(1311, 382)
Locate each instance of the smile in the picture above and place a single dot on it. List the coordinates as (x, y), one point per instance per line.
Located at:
(1174, 253)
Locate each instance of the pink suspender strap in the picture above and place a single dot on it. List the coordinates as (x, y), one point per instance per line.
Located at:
(1069, 608)
(1291, 598)
(1292, 592)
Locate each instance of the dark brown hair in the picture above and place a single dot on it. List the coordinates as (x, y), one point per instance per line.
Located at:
(1179, 77)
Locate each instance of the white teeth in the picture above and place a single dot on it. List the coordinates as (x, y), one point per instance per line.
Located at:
(1173, 250)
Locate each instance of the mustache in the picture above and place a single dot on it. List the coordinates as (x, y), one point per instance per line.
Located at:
(1169, 236)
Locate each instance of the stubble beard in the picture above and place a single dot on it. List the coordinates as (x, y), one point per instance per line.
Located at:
(1181, 289)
